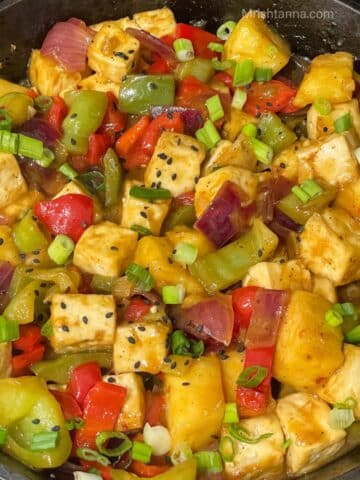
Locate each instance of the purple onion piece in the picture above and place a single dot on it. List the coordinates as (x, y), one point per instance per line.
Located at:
(41, 130)
(154, 44)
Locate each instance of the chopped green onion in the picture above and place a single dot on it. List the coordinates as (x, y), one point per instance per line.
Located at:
(241, 434)
(231, 413)
(249, 130)
(60, 249)
(226, 448)
(9, 142)
(47, 158)
(30, 147)
(340, 418)
(348, 404)
(184, 49)
(333, 318)
(263, 74)
(68, 171)
(343, 123)
(312, 188)
(196, 348)
(74, 423)
(92, 456)
(216, 47)
(150, 193)
(225, 30)
(244, 73)
(251, 377)
(239, 99)
(353, 336)
(300, 194)
(287, 443)
(181, 453)
(103, 437)
(182, 345)
(43, 103)
(141, 452)
(140, 276)
(208, 135)
(143, 231)
(44, 441)
(9, 330)
(323, 106)
(347, 310)
(3, 435)
(47, 329)
(263, 153)
(215, 108)
(185, 253)
(357, 154)
(173, 294)
(224, 65)
(209, 462)
(6, 122)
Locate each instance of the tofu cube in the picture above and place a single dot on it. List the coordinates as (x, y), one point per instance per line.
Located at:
(294, 163)
(304, 420)
(253, 39)
(12, 183)
(349, 198)
(122, 23)
(141, 212)
(132, 415)
(178, 159)
(208, 186)
(77, 188)
(113, 53)
(99, 83)
(140, 347)
(158, 22)
(48, 76)
(8, 250)
(264, 459)
(330, 246)
(82, 321)
(331, 77)
(105, 249)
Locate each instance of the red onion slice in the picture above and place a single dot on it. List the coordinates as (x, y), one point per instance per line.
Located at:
(192, 117)
(154, 44)
(41, 130)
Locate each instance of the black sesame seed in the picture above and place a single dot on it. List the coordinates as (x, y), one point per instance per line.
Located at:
(137, 364)
(158, 185)
(121, 55)
(186, 362)
(260, 253)
(143, 214)
(111, 380)
(170, 261)
(73, 115)
(1, 241)
(36, 260)
(153, 86)
(35, 252)
(173, 176)
(158, 173)
(55, 428)
(153, 185)
(34, 218)
(173, 365)
(282, 260)
(169, 161)
(114, 248)
(85, 319)
(141, 328)
(325, 129)
(162, 156)
(65, 328)
(22, 256)
(269, 104)
(29, 270)
(131, 51)
(63, 305)
(131, 340)
(178, 142)
(196, 180)
(109, 314)
(185, 384)
(194, 148)
(167, 360)
(36, 421)
(37, 293)
(282, 165)
(73, 141)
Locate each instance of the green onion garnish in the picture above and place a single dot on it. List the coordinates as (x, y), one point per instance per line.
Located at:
(215, 108)
(243, 435)
(150, 193)
(181, 453)
(225, 30)
(208, 135)
(340, 418)
(47, 329)
(68, 171)
(250, 130)
(239, 99)
(224, 65)
(9, 142)
(209, 462)
(173, 294)
(353, 336)
(307, 190)
(231, 413)
(44, 441)
(251, 377)
(9, 330)
(323, 106)
(263, 74)
(141, 452)
(3, 435)
(300, 194)
(140, 276)
(244, 73)
(216, 47)
(143, 231)
(182, 345)
(17, 143)
(226, 448)
(60, 249)
(343, 123)
(74, 423)
(184, 49)
(92, 456)
(263, 153)
(185, 253)
(6, 122)
(43, 103)
(348, 404)
(30, 147)
(333, 318)
(102, 439)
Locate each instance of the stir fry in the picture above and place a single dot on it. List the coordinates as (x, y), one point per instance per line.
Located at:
(179, 253)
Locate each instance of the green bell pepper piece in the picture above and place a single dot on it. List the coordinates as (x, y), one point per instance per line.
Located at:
(113, 176)
(17, 105)
(58, 369)
(228, 265)
(102, 284)
(27, 234)
(138, 93)
(22, 307)
(183, 471)
(275, 133)
(183, 215)
(23, 400)
(200, 68)
(87, 110)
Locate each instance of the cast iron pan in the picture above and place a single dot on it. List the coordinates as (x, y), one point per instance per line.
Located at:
(320, 26)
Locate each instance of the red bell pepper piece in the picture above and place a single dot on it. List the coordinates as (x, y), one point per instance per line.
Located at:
(170, 122)
(69, 214)
(226, 79)
(200, 39)
(127, 142)
(159, 66)
(70, 407)
(30, 335)
(98, 144)
(187, 198)
(155, 408)
(57, 113)
(137, 308)
(82, 379)
(102, 407)
(243, 305)
(32, 93)
(272, 96)
(114, 121)
(147, 471)
(21, 363)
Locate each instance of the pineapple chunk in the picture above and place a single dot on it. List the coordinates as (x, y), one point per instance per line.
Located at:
(178, 159)
(330, 246)
(294, 163)
(82, 322)
(12, 183)
(349, 198)
(105, 249)
(158, 22)
(181, 233)
(304, 420)
(99, 83)
(49, 77)
(141, 212)
(238, 119)
(132, 415)
(8, 250)
(113, 53)
(253, 39)
(208, 186)
(232, 364)
(140, 347)
(77, 188)
(264, 459)
(154, 253)
(195, 403)
(322, 286)
(122, 23)
(331, 77)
